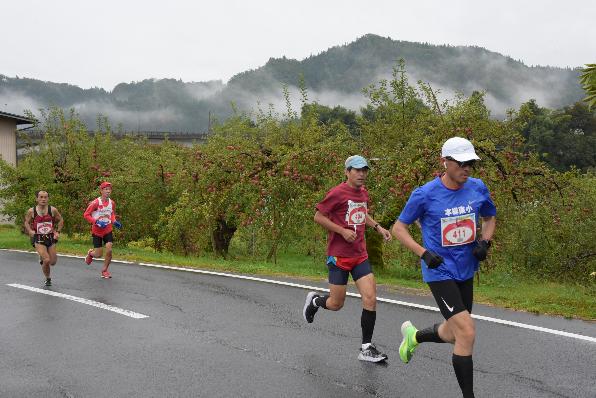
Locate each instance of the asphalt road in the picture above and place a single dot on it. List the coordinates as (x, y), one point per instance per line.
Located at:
(214, 336)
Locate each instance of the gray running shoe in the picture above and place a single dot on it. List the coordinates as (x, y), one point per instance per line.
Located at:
(371, 354)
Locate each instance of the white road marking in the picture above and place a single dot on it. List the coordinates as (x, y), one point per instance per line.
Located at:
(97, 304)
(384, 300)
(316, 288)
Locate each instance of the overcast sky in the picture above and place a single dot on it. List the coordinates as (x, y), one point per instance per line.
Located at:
(103, 43)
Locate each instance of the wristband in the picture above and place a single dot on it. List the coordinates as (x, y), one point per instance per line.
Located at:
(376, 225)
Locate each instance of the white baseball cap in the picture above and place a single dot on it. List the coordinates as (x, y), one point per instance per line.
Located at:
(459, 149)
(356, 162)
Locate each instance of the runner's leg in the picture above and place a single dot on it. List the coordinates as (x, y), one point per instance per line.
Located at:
(462, 326)
(338, 282)
(368, 291)
(97, 252)
(108, 257)
(334, 301)
(337, 297)
(42, 250)
(53, 255)
(466, 289)
(464, 330)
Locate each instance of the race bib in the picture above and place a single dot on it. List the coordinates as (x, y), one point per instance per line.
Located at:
(44, 227)
(459, 230)
(356, 214)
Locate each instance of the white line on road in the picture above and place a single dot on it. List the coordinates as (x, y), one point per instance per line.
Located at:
(97, 304)
(384, 300)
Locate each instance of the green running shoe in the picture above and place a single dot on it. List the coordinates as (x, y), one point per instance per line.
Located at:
(408, 344)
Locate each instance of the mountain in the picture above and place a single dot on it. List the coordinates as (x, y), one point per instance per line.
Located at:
(333, 77)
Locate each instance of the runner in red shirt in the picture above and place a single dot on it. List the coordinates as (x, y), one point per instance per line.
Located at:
(43, 224)
(344, 214)
(101, 214)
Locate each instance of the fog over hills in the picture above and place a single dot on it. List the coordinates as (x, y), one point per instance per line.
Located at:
(333, 77)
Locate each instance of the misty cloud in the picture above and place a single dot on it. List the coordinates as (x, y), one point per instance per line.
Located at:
(17, 103)
(333, 77)
(201, 91)
(130, 120)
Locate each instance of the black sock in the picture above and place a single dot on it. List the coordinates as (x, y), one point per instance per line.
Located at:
(464, 371)
(367, 321)
(429, 335)
(321, 301)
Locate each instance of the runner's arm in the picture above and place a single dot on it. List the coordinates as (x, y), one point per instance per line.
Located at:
(326, 223)
(58, 218)
(378, 227)
(329, 225)
(90, 209)
(113, 218)
(27, 223)
(488, 227)
(401, 233)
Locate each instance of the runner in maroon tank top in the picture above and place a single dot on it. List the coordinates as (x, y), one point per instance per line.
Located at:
(43, 224)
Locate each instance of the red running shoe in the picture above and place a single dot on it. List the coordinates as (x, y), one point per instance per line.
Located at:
(106, 274)
(89, 258)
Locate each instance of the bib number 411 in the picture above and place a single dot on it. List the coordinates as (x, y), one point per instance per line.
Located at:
(459, 230)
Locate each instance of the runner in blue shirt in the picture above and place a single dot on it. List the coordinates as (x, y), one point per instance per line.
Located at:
(449, 209)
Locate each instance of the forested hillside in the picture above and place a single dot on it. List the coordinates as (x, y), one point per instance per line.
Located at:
(333, 77)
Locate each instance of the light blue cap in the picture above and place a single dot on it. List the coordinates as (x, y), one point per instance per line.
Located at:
(356, 162)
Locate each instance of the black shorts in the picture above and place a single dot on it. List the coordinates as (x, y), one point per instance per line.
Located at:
(338, 276)
(453, 297)
(99, 241)
(47, 240)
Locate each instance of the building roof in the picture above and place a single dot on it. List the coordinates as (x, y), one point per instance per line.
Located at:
(19, 119)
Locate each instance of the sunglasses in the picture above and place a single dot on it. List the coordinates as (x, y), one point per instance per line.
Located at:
(467, 163)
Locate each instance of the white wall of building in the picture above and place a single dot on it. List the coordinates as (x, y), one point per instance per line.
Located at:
(8, 140)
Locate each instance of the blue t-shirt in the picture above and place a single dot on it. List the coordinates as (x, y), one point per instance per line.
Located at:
(450, 219)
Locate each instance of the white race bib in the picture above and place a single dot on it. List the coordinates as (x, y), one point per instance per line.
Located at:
(458, 230)
(356, 214)
(44, 227)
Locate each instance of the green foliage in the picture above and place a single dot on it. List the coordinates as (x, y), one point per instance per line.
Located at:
(563, 138)
(264, 175)
(252, 187)
(551, 232)
(588, 81)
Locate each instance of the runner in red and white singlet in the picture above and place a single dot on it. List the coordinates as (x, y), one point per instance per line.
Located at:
(101, 214)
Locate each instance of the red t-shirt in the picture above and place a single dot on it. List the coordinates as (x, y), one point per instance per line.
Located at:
(347, 207)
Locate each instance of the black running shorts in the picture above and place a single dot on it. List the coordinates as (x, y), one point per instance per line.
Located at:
(452, 296)
(338, 276)
(99, 241)
(43, 239)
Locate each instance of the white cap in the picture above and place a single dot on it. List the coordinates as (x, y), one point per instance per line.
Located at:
(356, 162)
(459, 149)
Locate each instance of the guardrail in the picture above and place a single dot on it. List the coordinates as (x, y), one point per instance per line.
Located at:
(152, 135)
